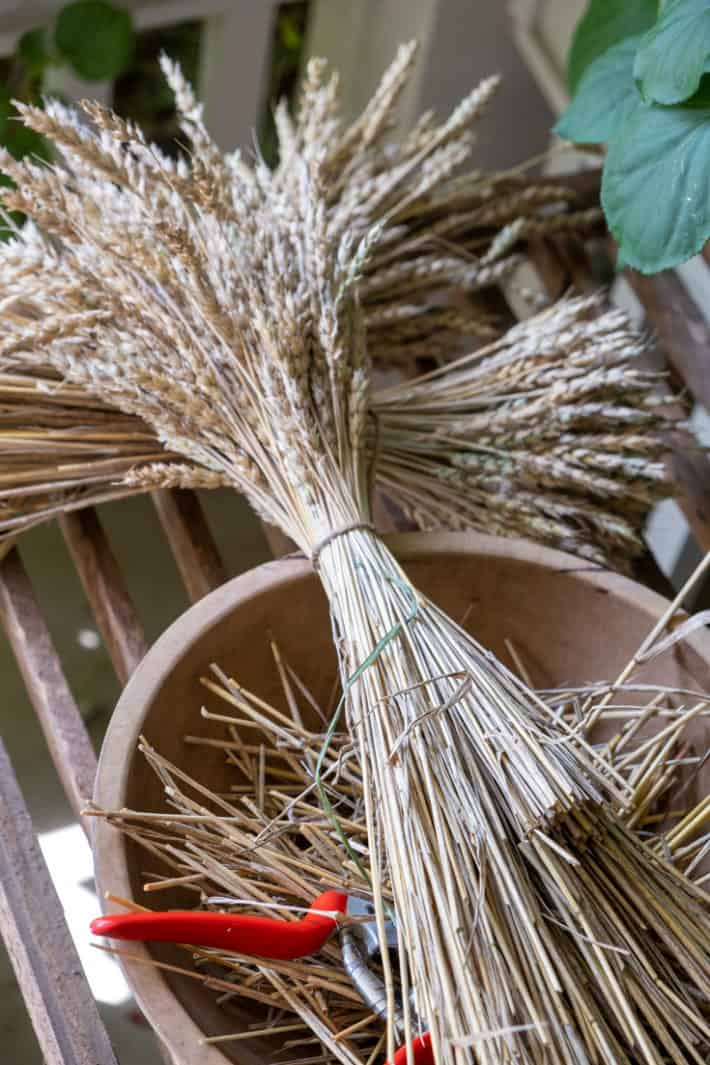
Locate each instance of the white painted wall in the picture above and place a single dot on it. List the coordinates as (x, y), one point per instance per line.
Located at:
(471, 40)
(462, 41)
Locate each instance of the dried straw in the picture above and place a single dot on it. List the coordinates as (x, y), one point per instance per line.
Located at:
(267, 842)
(555, 433)
(63, 448)
(223, 305)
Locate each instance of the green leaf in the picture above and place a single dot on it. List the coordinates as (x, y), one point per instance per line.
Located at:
(675, 54)
(21, 141)
(605, 93)
(605, 23)
(5, 109)
(654, 187)
(6, 232)
(32, 143)
(33, 48)
(290, 34)
(17, 138)
(96, 37)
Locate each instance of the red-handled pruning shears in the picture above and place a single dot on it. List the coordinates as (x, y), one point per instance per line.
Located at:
(264, 937)
(421, 1051)
(261, 936)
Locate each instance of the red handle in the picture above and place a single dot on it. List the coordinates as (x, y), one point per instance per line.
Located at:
(423, 1052)
(263, 937)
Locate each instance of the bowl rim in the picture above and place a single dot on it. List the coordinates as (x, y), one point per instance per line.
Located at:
(173, 1025)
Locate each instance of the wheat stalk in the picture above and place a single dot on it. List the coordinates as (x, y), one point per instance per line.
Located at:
(267, 842)
(441, 232)
(554, 432)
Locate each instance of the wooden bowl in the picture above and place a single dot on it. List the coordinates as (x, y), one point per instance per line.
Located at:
(569, 620)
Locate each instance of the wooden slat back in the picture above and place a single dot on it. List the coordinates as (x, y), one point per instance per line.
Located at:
(682, 335)
(191, 542)
(105, 588)
(680, 328)
(33, 647)
(48, 970)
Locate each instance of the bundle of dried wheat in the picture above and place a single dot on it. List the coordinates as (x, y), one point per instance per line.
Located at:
(266, 842)
(61, 448)
(222, 306)
(437, 231)
(553, 433)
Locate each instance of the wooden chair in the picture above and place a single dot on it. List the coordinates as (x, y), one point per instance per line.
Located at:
(32, 924)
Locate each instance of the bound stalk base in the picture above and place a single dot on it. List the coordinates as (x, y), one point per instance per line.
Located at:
(533, 927)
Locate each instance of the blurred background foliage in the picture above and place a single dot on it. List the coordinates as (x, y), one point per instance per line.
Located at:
(96, 40)
(141, 93)
(287, 46)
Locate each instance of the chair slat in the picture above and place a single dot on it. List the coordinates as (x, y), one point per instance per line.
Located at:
(33, 647)
(191, 541)
(680, 328)
(56, 993)
(683, 344)
(571, 253)
(691, 476)
(279, 544)
(550, 270)
(105, 589)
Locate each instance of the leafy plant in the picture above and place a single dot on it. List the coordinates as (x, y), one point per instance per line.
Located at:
(603, 25)
(640, 83)
(94, 38)
(141, 92)
(287, 44)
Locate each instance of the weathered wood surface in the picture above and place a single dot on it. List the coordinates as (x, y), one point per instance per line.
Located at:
(682, 347)
(279, 543)
(680, 329)
(58, 998)
(47, 687)
(191, 542)
(691, 477)
(105, 589)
